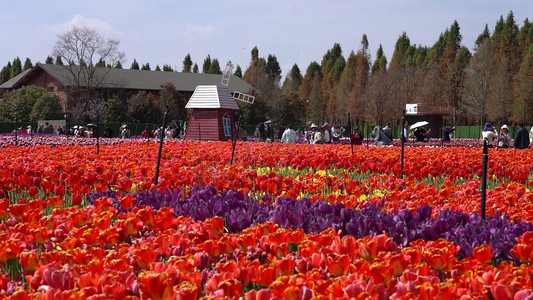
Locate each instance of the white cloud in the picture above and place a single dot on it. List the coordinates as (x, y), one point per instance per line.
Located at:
(101, 27)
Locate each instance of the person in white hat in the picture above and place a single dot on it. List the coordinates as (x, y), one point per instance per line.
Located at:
(504, 137)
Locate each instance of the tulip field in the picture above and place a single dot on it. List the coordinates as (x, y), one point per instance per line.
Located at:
(283, 221)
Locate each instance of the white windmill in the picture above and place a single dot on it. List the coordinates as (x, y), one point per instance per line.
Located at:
(211, 118)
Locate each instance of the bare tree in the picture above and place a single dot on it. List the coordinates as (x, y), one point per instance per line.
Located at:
(83, 50)
(476, 88)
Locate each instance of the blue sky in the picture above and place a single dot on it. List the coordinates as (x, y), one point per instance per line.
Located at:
(295, 31)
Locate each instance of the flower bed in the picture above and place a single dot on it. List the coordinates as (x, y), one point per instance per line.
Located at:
(285, 221)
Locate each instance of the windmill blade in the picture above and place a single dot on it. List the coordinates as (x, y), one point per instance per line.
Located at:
(227, 74)
(243, 97)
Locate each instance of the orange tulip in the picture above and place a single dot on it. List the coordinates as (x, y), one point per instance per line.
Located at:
(144, 257)
(29, 260)
(155, 286)
(483, 254)
(4, 204)
(55, 201)
(127, 202)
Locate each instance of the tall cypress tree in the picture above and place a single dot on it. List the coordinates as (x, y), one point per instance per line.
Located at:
(27, 64)
(187, 64)
(134, 65)
(16, 67)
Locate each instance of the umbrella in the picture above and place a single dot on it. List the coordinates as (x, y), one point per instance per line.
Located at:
(76, 126)
(91, 125)
(418, 124)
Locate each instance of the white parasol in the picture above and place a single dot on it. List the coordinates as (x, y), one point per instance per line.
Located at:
(418, 124)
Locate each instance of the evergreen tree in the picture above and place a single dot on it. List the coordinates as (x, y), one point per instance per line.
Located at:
(484, 35)
(49, 60)
(238, 71)
(101, 63)
(59, 61)
(16, 67)
(134, 65)
(118, 65)
(292, 81)
(167, 68)
(27, 64)
(146, 67)
(207, 65)
(398, 59)
(195, 68)
(187, 64)
(273, 70)
(5, 74)
(214, 67)
(157, 68)
(381, 61)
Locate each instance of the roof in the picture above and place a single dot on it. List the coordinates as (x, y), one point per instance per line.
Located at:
(212, 96)
(136, 79)
(12, 81)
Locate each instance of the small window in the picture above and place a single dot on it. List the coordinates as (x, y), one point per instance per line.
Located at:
(61, 89)
(227, 126)
(50, 89)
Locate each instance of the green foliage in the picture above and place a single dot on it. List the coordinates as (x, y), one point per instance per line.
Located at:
(146, 67)
(16, 67)
(381, 61)
(157, 68)
(19, 103)
(27, 64)
(187, 64)
(134, 65)
(59, 61)
(313, 70)
(143, 108)
(118, 65)
(195, 68)
(175, 101)
(101, 63)
(46, 108)
(115, 110)
(214, 67)
(5, 74)
(238, 71)
(207, 65)
(292, 81)
(167, 68)
(49, 60)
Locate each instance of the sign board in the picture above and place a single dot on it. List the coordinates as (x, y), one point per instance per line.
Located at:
(54, 123)
(411, 109)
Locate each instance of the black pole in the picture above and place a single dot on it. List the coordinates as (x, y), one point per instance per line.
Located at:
(403, 137)
(199, 133)
(351, 132)
(484, 159)
(161, 145)
(97, 137)
(367, 136)
(16, 132)
(234, 139)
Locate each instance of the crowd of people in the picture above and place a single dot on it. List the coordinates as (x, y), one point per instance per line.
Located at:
(521, 140)
(269, 131)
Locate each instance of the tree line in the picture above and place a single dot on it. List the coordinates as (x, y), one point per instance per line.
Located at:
(492, 83)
